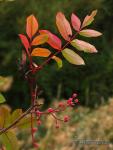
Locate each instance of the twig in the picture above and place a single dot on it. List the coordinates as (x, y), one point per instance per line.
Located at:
(18, 119)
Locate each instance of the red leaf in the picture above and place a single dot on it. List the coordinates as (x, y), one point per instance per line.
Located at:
(76, 23)
(24, 41)
(31, 26)
(53, 40)
(63, 26)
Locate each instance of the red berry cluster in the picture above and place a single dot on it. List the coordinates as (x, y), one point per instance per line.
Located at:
(72, 100)
(53, 112)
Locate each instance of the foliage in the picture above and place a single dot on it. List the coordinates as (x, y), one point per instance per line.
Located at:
(2, 99)
(5, 84)
(66, 32)
(30, 41)
(9, 139)
(16, 12)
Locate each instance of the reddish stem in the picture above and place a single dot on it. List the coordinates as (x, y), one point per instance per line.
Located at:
(33, 140)
(54, 116)
(31, 82)
(31, 79)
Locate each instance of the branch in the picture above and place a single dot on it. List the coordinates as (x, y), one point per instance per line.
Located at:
(18, 119)
(47, 60)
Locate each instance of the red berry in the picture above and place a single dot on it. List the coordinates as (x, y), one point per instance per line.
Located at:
(70, 102)
(61, 104)
(76, 100)
(34, 130)
(66, 118)
(74, 95)
(50, 110)
(38, 113)
(70, 99)
(39, 122)
(36, 145)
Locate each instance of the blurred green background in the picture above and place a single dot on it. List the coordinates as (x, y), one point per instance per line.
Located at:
(92, 82)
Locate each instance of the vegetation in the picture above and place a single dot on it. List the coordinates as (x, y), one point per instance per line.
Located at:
(92, 82)
(90, 92)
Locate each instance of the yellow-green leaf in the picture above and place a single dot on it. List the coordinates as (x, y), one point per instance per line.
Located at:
(89, 19)
(2, 98)
(72, 57)
(25, 123)
(83, 46)
(16, 113)
(40, 39)
(58, 60)
(5, 83)
(42, 52)
(9, 140)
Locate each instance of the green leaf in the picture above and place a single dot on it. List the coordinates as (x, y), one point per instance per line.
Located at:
(72, 57)
(9, 140)
(83, 46)
(2, 98)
